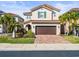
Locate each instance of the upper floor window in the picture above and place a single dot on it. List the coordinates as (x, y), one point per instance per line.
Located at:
(28, 17)
(42, 14)
(54, 13)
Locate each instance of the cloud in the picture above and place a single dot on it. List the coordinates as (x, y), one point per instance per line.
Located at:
(64, 7)
(18, 7)
(12, 5)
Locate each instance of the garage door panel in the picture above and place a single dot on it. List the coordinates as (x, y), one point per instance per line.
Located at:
(46, 30)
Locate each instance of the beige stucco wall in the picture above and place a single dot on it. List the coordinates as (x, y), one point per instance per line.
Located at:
(78, 21)
(27, 27)
(48, 15)
(58, 27)
(26, 19)
(35, 14)
(57, 15)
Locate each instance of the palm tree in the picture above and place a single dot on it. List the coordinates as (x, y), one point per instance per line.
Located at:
(65, 19)
(13, 27)
(9, 23)
(7, 20)
(71, 17)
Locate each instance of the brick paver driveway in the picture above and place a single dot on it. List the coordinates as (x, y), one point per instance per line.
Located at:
(49, 39)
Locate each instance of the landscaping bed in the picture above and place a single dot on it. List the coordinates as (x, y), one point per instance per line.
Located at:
(6, 39)
(72, 39)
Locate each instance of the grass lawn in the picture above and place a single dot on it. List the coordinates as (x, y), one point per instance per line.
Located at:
(72, 39)
(5, 39)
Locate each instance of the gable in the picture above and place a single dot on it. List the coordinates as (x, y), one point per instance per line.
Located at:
(45, 6)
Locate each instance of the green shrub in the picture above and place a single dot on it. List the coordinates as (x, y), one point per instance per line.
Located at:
(20, 32)
(30, 34)
(6, 39)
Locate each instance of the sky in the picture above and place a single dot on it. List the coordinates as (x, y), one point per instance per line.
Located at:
(19, 7)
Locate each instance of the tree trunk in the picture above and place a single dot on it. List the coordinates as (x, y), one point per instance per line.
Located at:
(67, 28)
(14, 34)
(4, 28)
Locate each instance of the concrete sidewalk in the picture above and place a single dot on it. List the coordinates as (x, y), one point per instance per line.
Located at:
(37, 47)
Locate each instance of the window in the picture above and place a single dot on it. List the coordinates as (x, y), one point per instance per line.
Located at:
(54, 13)
(28, 17)
(41, 14)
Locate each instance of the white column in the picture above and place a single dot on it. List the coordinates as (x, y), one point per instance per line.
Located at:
(58, 30)
(33, 28)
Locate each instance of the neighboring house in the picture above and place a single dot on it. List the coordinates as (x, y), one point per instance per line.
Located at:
(1, 27)
(66, 25)
(17, 18)
(75, 10)
(43, 20)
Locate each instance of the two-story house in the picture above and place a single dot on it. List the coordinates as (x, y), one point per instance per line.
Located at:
(43, 20)
(1, 27)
